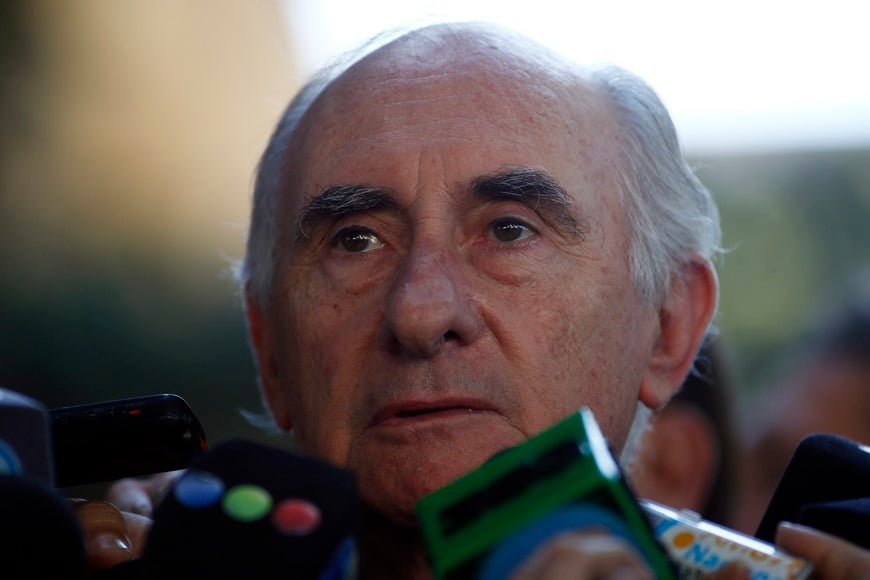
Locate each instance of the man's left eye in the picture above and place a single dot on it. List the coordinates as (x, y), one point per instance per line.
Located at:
(358, 240)
(510, 230)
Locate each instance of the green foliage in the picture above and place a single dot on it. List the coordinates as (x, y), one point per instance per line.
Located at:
(798, 228)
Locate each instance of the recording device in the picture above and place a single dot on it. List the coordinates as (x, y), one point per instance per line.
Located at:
(485, 523)
(826, 485)
(488, 521)
(124, 438)
(246, 510)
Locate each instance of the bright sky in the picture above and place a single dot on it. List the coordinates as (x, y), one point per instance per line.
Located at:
(736, 75)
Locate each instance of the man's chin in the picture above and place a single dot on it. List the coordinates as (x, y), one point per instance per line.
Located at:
(397, 499)
(401, 478)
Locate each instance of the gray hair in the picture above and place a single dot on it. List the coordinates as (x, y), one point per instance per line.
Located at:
(671, 214)
(257, 272)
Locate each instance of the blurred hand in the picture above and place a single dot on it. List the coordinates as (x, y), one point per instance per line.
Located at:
(586, 554)
(599, 555)
(831, 556)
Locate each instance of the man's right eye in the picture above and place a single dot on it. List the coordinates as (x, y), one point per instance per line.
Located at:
(358, 240)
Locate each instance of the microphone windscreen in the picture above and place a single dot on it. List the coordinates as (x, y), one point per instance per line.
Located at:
(818, 488)
(40, 537)
(246, 510)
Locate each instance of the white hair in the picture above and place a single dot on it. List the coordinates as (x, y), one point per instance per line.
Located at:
(257, 272)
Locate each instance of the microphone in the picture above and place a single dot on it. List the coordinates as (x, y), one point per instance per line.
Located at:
(40, 537)
(25, 440)
(826, 485)
(246, 510)
(111, 440)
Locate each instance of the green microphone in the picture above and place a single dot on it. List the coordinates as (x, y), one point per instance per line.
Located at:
(487, 522)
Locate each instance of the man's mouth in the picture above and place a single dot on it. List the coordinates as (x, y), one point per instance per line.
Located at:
(415, 412)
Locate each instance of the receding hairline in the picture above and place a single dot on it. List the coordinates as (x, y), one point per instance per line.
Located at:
(457, 48)
(467, 40)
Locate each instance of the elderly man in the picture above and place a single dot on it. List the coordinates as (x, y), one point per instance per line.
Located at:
(457, 240)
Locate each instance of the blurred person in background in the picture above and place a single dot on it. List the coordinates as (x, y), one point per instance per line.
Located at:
(822, 386)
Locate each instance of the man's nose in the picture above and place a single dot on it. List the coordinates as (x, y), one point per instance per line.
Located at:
(429, 305)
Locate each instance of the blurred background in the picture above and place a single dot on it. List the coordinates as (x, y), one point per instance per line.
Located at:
(131, 129)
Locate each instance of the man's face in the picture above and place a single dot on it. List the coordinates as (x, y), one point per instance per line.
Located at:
(459, 281)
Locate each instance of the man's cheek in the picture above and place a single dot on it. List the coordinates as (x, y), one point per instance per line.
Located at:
(323, 433)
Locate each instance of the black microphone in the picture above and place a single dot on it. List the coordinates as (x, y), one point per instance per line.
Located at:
(40, 537)
(247, 510)
(826, 485)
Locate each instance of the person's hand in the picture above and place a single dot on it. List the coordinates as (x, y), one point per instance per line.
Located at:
(115, 530)
(832, 557)
(110, 536)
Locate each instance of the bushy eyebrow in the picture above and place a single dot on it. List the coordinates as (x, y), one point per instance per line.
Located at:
(338, 201)
(536, 189)
(531, 187)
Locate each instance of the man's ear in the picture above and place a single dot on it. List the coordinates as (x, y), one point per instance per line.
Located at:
(263, 344)
(683, 317)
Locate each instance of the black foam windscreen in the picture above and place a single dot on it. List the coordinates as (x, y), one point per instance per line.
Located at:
(826, 485)
(246, 510)
(40, 536)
